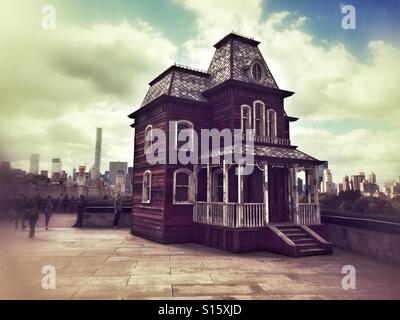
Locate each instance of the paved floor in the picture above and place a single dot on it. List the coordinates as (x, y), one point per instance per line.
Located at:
(113, 264)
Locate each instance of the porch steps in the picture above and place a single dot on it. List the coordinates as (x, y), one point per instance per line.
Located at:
(296, 241)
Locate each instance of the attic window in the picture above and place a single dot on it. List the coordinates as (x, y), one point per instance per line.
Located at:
(256, 71)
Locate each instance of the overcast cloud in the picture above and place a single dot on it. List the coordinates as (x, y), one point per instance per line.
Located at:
(57, 86)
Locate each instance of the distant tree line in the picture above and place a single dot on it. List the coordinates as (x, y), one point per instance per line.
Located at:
(353, 201)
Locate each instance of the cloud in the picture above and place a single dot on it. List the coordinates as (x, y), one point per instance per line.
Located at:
(57, 86)
(331, 83)
(359, 150)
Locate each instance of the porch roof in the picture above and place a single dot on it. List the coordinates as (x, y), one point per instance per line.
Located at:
(262, 152)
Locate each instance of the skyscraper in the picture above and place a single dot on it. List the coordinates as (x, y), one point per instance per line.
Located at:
(115, 167)
(357, 179)
(97, 155)
(372, 178)
(346, 183)
(55, 168)
(327, 184)
(34, 163)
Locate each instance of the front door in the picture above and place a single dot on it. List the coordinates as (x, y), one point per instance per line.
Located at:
(278, 195)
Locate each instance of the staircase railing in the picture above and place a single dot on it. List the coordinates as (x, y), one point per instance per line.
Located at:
(307, 213)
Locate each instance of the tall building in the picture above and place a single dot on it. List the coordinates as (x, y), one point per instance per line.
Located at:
(55, 168)
(357, 179)
(320, 172)
(97, 155)
(34, 164)
(327, 183)
(115, 167)
(372, 178)
(346, 183)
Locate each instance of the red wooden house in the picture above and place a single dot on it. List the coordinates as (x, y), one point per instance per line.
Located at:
(214, 203)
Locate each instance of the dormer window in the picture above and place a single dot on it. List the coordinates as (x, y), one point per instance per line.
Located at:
(256, 71)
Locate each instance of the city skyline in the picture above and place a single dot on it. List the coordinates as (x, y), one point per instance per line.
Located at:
(71, 81)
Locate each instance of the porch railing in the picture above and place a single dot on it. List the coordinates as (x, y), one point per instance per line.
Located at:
(262, 139)
(235, 215)
(307, 213)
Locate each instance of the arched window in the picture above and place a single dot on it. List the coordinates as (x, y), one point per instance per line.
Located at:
(271, 118)
(146, 192)
(188, 129)
(148, 138)
(259, 118)
(183, 187)
(246, 118)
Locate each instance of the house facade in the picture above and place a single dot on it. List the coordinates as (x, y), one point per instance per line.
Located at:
(215, 200)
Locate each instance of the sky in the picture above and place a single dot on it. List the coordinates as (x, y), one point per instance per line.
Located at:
(93, 69)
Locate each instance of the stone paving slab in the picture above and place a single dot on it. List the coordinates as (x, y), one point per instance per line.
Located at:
(113, 264)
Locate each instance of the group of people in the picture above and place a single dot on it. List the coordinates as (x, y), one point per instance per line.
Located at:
(28, 209)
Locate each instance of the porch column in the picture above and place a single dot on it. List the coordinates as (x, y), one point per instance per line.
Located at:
(295, 194)
(310, 184)
(209, 188)
(316, 198)
(239, 221)
(265, 185)
(225, 193)
(193, 196)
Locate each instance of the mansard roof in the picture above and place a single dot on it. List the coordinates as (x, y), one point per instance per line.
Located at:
(178, 81)
(232, 60)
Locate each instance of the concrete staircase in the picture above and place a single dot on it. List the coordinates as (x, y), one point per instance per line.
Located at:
(296, 241)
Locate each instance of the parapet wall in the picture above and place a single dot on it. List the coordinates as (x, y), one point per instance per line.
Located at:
(379, 245)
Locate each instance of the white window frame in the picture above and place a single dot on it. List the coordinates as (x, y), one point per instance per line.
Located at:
(148, 145)
(147, 172)
(245, 106)
(250, 71)
(269, 111)
(262, 118)
(191, 194)
(191, 146)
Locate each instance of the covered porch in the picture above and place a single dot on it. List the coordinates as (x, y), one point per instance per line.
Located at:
(226, 196)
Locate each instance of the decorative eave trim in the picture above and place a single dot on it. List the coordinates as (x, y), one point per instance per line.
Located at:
(167, 98)
(237, 37)
(182, 68)
(291, 119)
(254, 86)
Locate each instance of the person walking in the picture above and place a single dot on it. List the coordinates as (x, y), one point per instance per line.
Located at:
(20, 212)
(80, 210)
(33, 216)
(117, 210)
(48, 211)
